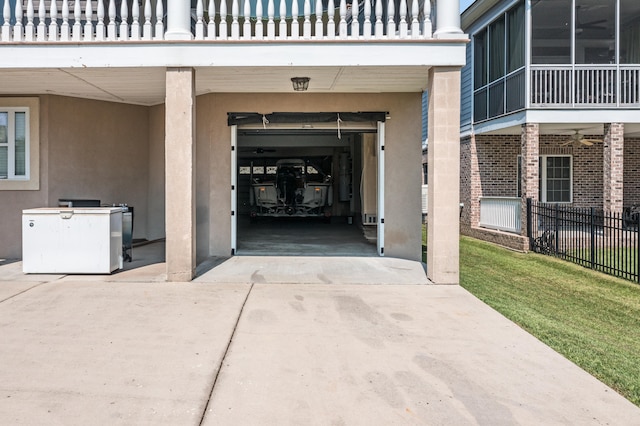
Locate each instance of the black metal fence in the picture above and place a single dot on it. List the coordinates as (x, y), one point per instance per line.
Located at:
(591, 237)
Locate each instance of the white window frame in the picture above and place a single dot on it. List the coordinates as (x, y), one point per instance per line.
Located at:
(31, 108)
(11, 142)
(543, 178)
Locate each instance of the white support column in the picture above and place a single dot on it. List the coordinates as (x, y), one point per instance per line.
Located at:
(443, 233)
(448, 19)
(180, 174)
(178, 20)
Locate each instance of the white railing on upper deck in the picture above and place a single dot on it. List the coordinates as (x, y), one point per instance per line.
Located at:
(502, 213)
(103, 20)
(585, 85)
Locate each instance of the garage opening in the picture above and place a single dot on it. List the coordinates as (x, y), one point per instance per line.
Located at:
(307, 184)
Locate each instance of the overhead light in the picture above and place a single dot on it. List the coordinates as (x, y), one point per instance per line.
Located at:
(300, 84)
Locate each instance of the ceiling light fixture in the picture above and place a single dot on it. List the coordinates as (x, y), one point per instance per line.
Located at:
(300, 84)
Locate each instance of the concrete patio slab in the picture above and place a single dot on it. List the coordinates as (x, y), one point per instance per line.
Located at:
(383, 355)
(81, 353)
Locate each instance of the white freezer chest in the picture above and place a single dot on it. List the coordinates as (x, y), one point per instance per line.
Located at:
(85, 240)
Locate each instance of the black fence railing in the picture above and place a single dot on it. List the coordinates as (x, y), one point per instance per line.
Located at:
(591, 237)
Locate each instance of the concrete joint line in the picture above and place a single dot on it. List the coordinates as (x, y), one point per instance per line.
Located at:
(224, 356)
(26, 290)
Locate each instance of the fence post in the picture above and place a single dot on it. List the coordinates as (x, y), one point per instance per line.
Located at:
(592, 255)
(637, 248)
(529, 227)
(555, 230)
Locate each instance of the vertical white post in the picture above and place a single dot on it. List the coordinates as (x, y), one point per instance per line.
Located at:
(211, 26)
(42, 29)
(282, 32)
(100, 27)
(380, 198)
(76, 34)
(6, 27)
(88, 26)
(178, 20)
(391, 23)
(331, 25)
(200, 20)
(295, 25)
(124, 22)
(307, 20)
(355, 19)
(448, 19)
(319, 25)
(53, 26)
(343, 19)
(234, 189)
(379, 24)
(159, 35)
(271, 25)
(366, 29)
(18, 28)
(147, 28)
(259, 26)
(64, 28)
(29, 30)
(223, 33)
(427, 26)
(135, 20)
(246, 25)
(403, 19)
(415, 25)
(235, 25)
(112, 30)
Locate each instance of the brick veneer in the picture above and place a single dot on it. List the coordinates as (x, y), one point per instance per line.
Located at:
(613, 167)
(493, 171)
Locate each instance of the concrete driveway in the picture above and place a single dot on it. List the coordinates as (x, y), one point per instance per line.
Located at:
(131, 349)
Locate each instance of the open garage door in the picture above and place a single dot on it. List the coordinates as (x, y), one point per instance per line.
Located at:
(307, 188)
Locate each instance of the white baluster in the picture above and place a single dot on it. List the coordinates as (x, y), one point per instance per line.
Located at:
(427, 26)
(135, 20)
(355, 19)
(343, 19)
(53, 25)
(366, 30)
(259, 25)
(211, 25)
(403, 19)
(306, 27)
(29, 29)
(124, 20)
(159, 20)
(295, 25)
(199, 20)
(331, 25)
(100, 26)
(235, 25)
(76, 34)
(18, 27)
(391, 23)
(379, 24)
(88, 18)
(6, 27)
(223, 34)
(112, 30)
(271, 25)
(319, 25)
(282, 33)
(42, 29)
(147, 28)
(65, 33)
(246, 27)
(415, 24)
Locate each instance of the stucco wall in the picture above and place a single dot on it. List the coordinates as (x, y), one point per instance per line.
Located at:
(156, 194)
(402, 156)
(88, 149)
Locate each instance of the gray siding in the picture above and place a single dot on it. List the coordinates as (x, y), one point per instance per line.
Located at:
(466, 93)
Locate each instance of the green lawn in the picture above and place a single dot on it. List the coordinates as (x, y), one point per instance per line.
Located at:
(590, 318)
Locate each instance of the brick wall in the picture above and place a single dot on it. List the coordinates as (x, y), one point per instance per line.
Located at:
(631, 172)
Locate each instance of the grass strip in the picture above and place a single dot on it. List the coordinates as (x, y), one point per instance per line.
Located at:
(590, 318)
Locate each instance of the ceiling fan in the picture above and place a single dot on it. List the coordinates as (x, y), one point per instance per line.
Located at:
(578, 139)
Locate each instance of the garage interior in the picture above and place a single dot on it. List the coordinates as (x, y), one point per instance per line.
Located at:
(343, 157)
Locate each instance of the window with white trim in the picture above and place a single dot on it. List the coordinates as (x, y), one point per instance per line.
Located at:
(19, 144)
(555, 178)
(14, 143)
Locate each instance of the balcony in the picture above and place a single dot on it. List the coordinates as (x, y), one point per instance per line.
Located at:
(584, 86)
(38, 21)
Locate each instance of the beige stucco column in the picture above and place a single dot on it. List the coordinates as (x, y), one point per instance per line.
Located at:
(529, 167)
(180, 174)
(443, 220)
(613, 167)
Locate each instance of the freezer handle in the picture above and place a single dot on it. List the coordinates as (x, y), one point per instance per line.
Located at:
(66, 214)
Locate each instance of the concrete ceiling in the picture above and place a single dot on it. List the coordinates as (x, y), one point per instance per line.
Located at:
(146, 86)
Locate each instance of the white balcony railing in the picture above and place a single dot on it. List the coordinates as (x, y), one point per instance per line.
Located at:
(502, 213)
(124, 20)
(585, 86)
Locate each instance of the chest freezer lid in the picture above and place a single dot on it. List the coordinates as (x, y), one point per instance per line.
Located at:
(73, 210)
